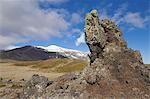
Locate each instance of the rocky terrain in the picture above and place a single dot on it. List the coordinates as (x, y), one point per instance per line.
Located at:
(114, 71)
(14, 74)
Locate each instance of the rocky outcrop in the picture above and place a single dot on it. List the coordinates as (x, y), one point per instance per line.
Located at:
(108, 49)
(114, 71)
(35, 87)
(10, 89)
(102, 35)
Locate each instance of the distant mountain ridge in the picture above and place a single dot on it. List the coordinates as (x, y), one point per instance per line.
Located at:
(41, 53)
(70, 53)
(28, 53)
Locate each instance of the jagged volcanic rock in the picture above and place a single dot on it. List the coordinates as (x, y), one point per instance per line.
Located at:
(36, 86)
(115, 71)
(102, 35)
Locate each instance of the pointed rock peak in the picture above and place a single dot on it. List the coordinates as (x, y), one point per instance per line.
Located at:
(94, 13)
(102, 35)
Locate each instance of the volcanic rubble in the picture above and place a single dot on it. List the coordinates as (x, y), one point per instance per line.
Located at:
(114, 71)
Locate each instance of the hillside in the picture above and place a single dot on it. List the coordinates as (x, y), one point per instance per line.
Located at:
(27, 53)
(10, 69)
(70, 53)
(54, 65)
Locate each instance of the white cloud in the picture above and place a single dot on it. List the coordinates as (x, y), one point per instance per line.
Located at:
(119, 13)
(23, 20)
(134, 19)
(81, 39)
(103, 14)
(6, 41)
(55, 1)
(76, 18)
(11, 47)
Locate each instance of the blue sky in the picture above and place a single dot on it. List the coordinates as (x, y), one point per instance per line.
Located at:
(61, 22)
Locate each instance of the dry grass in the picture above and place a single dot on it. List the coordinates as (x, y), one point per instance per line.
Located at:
(2, 85)
(147, 65)
(25, 63)
(47, 64)
(10, 71)
(15, 86)
(55, 65)
(75, 65)
(51, 68)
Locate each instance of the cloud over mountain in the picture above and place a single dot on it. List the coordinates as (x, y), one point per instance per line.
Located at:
(23, 20)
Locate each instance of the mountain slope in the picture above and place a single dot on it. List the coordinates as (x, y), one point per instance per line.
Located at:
(70, 53)
(28, 53)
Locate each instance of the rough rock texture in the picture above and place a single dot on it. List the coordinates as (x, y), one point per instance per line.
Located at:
(10, 89)
(35, 87)
(115, 71)
(102, 35)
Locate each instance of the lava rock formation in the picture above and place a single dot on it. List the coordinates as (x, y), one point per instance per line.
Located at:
(114, 71)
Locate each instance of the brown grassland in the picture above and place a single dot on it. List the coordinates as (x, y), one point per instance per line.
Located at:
(50, 68)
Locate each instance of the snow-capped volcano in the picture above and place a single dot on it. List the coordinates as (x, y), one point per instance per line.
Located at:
(70, 53)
